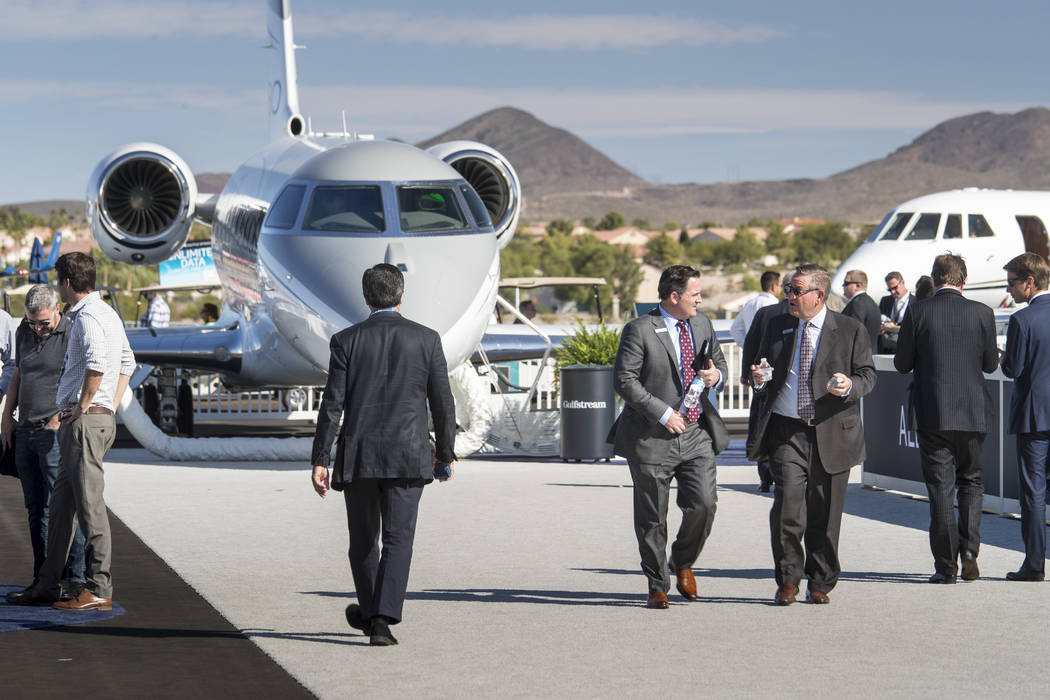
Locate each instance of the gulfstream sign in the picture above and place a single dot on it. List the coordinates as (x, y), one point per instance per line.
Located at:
(583, 404)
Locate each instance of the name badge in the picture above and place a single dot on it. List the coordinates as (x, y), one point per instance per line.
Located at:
(660, 330)
(787, 330)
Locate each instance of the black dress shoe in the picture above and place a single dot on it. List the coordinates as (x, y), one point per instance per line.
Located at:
(380, 635)
(1024, 574)
(942, 578)
(356, 619)
(29, 596)
(970, 572)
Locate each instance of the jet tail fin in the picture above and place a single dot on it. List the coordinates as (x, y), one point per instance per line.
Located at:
(285, 118)
(52, 256)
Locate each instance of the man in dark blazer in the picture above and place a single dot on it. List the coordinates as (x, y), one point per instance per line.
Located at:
(861, 306)
(383, 374)
(893, 306)
(749, 356)
(810, 429)
(1027, 361)
(660, 355)
(949, 342)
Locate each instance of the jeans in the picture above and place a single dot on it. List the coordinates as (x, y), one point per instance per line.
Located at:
(36, 458)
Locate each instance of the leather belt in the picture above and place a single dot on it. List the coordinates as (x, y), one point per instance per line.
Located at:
(99, 409)
(808, 423)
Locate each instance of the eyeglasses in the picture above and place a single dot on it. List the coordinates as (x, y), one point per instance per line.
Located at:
(847, 283)
(38, 324)
(893, 288)
(797, 291)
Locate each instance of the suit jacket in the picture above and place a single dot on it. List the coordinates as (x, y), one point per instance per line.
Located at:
(646, 376)
(1027, 361)
(887, 344)
(749, 355)
(863, 308)
(949, 342)
(844, 347)
(383, 374)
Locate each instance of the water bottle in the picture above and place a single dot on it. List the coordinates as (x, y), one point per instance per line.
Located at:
(692, 396)
(767, 370)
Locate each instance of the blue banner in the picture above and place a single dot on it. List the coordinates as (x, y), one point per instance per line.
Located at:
(191, 265)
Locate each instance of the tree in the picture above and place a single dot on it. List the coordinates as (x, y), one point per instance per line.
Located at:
(826, 244)
(642, 223)
(662, 251)
(778, 243)
(683, 236)
(755, 221)
(707, 224)
(520, 258)
(611, 220)
(559, 226)
(670, 226)
(589, 222)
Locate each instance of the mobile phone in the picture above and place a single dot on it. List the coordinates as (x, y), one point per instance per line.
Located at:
(442, 471)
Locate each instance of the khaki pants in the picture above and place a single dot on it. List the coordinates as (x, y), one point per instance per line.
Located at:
(78, 497)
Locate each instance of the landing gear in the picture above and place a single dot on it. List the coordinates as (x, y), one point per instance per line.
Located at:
(169, 403)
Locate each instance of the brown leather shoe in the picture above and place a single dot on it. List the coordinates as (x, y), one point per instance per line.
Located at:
(686, 583)
(657, 601)
(29, 596)
(85, 601)
(817, 597)
(786, 594)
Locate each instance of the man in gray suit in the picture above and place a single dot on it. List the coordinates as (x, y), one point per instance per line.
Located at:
(949, 342)
(810, 430)
(660, 356)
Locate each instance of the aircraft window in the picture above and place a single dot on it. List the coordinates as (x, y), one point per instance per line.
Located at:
(357, 208)
(1034, 232)
(953, 226)
(285, 209)
(878, 229)
(979, 228)
(893, 231)
(477, 207)
(925, 228)
(429, 209)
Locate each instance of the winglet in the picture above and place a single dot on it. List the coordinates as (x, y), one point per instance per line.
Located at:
(285, 119)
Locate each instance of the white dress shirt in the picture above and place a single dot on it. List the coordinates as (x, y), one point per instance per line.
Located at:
(787, 400)
(742, 323)
(672, 333)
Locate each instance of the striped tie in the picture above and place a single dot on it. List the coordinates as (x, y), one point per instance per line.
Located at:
(805, 371)
(685, 343)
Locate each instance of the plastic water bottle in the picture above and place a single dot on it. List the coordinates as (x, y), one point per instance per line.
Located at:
(692, 396)
(767, 370)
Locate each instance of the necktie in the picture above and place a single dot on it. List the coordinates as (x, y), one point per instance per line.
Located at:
(685, 343)
(805, 368)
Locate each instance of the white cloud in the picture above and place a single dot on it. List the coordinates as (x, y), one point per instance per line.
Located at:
(27, 20)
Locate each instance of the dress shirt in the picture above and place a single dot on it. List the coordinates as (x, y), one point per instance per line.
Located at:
(7, 348)
(742, 323)
(672, 333)
(157, 315)
(899, 307)
(787, 400)
(97, 342)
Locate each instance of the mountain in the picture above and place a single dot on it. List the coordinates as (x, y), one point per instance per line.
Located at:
(548, 160)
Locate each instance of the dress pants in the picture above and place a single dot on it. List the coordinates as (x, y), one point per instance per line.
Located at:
(807, 507)
(77, 497)
(1033, 450)
(691, 462)
(951, 459)
(387, 508)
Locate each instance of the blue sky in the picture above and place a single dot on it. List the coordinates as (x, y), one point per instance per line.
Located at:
(675, 91)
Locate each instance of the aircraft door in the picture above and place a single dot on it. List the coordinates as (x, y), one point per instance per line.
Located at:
(1035, 236)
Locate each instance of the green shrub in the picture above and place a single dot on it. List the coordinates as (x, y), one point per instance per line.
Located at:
(587, 347)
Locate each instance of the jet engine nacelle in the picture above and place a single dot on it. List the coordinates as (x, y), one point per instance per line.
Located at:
(140, 203)
(492, 177)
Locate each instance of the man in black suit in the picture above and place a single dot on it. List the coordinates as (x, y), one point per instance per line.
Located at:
(810, 429)
(383, 373)
(861, 306)
(949, 342)
(659, 357)
(893, 306)
(1027, 361)
(749, 356)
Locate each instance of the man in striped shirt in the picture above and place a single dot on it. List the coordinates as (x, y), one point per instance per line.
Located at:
(98, 366)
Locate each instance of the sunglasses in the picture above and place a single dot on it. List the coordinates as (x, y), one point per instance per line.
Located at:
(797, 291)
(38, 324)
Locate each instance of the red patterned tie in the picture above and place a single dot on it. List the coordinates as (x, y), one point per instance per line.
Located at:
(685, 342)
(805, 375)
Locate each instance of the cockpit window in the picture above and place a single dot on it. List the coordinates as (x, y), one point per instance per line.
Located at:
(477, 207)
(879, 229)
(425, 208)
(893, 231)
(356, 208)
(979, 228)
(925, 228)
(285, 210)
